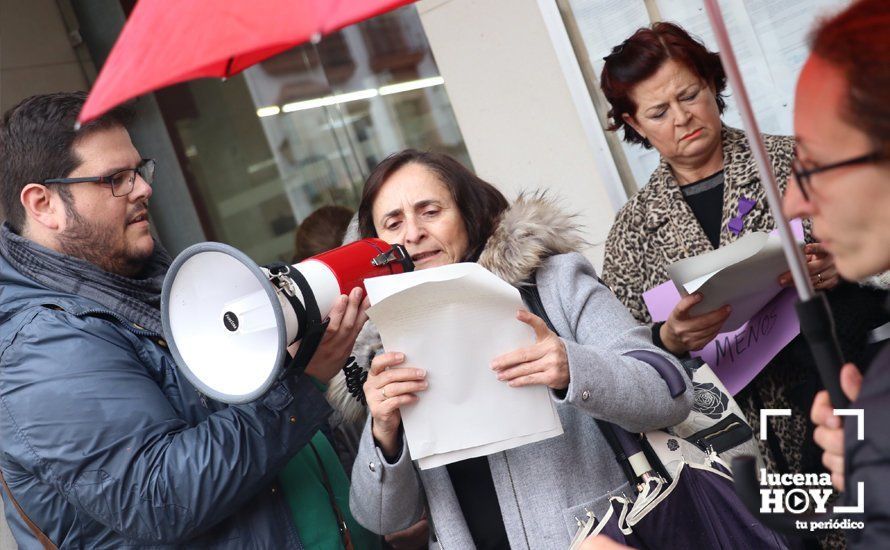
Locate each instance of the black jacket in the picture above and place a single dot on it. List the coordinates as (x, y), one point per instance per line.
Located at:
(868, 461)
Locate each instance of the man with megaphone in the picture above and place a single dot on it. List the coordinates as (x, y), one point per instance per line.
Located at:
(103, 442)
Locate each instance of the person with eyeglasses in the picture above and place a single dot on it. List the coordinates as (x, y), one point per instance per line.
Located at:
(842, 182)
(121, 182)
(102, 443)
(665, 90)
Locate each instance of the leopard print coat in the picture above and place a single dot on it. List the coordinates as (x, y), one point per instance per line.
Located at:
(657, 227)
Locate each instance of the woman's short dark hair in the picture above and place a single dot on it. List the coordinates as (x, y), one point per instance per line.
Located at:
(640, 56)
(321, 231)
(857, 41)
(479, 203)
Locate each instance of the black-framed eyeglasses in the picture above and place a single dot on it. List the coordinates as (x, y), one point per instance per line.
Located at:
(122, 181)
(802, 175)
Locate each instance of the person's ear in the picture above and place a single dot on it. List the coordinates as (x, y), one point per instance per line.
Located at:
(633, 124)
(42, 206)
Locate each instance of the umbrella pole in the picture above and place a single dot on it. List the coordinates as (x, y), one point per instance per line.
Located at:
(792, 252)
(816, 322)
(815, 316)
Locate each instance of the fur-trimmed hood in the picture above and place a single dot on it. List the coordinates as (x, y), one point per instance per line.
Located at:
(531, 230)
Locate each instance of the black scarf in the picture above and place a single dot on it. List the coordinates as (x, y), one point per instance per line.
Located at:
(136, 300)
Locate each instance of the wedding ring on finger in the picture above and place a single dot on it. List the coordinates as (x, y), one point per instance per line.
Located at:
(383, 392)
(818, 278)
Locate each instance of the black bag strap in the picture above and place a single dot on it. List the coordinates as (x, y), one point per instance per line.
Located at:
(312, 328)
(532, 298)
(38, 534)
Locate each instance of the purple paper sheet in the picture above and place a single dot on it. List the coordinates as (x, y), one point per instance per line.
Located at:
(737, 357)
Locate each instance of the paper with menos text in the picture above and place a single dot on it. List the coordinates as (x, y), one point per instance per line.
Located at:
(452, 321)
(737, 356)
(743, 274)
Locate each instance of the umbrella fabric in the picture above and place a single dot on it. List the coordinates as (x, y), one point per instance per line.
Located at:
(164, 42)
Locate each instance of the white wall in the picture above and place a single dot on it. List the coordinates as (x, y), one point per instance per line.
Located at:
(519, 109)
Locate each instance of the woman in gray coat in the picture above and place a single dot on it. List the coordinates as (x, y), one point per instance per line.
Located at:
(526, 497)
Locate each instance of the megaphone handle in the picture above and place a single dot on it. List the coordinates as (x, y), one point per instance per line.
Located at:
(311, 326)
(397, 253)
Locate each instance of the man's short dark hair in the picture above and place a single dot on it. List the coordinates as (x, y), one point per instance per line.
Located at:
(37, 139)
(321, 231)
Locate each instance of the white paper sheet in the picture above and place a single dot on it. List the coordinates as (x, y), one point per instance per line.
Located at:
(452, 321)
(442, 459)
(743, 274)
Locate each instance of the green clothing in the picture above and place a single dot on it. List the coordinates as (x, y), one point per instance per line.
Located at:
(303, 483)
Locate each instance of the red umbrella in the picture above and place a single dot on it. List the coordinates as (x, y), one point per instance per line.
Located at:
(164, 43)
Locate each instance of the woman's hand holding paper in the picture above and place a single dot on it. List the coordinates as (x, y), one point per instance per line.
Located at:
(385, 391)
(544, 363)
(820, 264)
(682, 332)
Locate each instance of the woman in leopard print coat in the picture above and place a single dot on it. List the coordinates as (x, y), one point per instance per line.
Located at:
(657, 227)
(665, 92)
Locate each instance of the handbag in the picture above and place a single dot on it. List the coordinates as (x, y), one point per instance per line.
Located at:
(683, 493)
(716, 423)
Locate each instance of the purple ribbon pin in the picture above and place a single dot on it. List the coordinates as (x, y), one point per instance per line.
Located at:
(737, 223)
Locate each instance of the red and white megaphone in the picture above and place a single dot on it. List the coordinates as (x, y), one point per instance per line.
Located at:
(228, 321)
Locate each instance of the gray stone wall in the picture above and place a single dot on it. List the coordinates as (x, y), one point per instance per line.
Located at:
(6, 540)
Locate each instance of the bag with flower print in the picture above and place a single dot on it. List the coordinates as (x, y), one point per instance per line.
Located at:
(716, 423)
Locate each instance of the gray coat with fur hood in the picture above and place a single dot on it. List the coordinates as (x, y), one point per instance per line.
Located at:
(543, 486)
